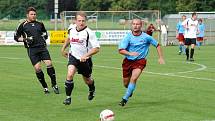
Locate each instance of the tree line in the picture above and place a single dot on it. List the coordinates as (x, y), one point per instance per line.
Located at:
(45, 8)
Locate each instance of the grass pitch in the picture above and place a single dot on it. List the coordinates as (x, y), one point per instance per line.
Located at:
(176, 91)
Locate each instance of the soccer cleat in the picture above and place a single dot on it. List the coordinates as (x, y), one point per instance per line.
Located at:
(91, 95)
(56, 89)
(123, 102)
(191, 59)
(46, 91)
(67, 101)
(179, 52)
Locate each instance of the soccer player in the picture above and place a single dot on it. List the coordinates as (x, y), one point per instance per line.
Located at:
(135, 47)
(34, 35)
(150, 29)
(83, 44)
(200, 36)
(191, 29)
(180, 34)
(164, 31)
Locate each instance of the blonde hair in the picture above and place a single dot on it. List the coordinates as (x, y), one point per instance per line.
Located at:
(81, 13)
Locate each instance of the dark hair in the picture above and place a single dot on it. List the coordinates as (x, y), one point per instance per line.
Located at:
(193, 14)
(30, 9)
(81, 13)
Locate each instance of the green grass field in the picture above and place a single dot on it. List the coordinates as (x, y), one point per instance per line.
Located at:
(176, 91)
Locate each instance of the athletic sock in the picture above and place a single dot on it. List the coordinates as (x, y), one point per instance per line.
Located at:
(130, 89)
(187, 53)
(40, 76)
(69, 85)
(191, 52)
(180, 48)
(183, 49)
(51, 73)
(91, 86)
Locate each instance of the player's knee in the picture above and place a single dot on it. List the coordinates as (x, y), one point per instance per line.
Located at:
(37, 70)
(49, 66)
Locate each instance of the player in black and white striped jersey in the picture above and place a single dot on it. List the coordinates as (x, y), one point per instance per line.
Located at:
(83, 44)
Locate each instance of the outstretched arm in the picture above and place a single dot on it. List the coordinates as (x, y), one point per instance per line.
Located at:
(160, 55)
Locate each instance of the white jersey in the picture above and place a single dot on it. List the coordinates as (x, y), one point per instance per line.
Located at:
(81, 41)
(191, 28)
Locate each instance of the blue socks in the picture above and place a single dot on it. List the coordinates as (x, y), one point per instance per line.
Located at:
(180, 48)
(130, 89)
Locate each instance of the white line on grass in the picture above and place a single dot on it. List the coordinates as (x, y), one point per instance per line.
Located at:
(202, 67)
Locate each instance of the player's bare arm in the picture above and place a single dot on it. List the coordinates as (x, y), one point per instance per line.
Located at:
(65, 45)
(89, 54)
(160, 55)
(125, 52)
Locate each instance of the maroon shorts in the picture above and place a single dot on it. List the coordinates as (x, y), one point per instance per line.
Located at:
(181, 37)
(129, 65)
(200, 39)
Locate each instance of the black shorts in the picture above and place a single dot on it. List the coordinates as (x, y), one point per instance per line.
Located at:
(38, 54)
(189, 41)
(84, 68)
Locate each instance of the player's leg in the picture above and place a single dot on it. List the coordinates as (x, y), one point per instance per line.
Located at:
(187, 43)
(52, 75)
(193, 43)
(137, 66)
(85, 68)
(180, 47)
(91, 84)
(35, 60)
(69, 84)
(40, 76)
(45, 57)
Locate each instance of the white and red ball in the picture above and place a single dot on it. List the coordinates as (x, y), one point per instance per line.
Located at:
(107, 115)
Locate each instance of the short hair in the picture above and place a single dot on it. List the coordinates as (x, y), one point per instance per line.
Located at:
(30, 9)
(194, 14)
(200, 20)
(184, 16)
(137, 19)
(81, 13)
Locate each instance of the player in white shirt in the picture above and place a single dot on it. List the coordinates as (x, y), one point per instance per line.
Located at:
(190, 34)
(83, 44)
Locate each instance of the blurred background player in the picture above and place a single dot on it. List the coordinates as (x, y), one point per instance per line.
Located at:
(180, 34)
(150, 29)
(83, 44)
(164, 31)
(34, 35)
(191, 30)
(135, 47)
(200, 35)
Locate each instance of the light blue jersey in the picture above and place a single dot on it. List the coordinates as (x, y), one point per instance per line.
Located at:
(138, 44)
(180, 27)
(201, 28)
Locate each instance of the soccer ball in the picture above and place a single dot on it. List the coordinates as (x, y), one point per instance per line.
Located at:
(107, 115)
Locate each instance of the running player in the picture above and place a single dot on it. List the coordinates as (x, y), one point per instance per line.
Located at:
(191, 30)
(200, 36)
(34, 35)
(135, 47)
(180, 34)
(83, 44)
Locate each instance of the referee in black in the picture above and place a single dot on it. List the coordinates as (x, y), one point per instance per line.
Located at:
(34, 35)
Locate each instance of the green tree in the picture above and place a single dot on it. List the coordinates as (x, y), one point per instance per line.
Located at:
(187, 5)
(121, 5)
(94, 5)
